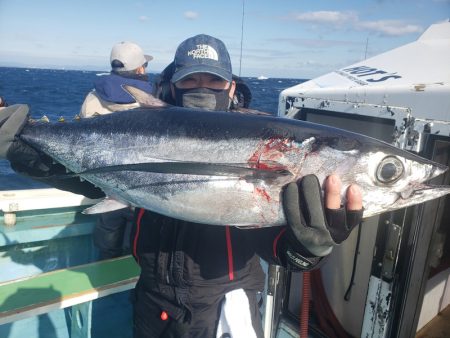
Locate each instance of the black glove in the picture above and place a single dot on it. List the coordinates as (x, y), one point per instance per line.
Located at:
(312, 233)
(12, 120)
(24, 159)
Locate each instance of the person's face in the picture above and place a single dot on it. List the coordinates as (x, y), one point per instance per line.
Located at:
(205, 80)
(142, 69)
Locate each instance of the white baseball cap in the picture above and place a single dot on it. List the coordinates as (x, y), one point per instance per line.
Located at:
(126, 56)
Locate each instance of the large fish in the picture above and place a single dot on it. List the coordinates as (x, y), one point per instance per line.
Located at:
(226, 168)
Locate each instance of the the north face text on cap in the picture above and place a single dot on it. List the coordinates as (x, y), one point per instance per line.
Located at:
(204, 52)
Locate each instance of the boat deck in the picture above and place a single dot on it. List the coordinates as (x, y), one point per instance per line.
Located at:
(439, 327)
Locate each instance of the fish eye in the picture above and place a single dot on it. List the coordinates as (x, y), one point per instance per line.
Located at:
(389, 170)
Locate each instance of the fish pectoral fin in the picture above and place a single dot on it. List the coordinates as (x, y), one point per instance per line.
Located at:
(145, 99)
(195, 168)
(106, 205)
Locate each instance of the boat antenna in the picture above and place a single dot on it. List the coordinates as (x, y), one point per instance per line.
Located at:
(242, 36)
(367, 44)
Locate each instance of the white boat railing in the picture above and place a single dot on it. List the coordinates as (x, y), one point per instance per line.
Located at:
(13, 201)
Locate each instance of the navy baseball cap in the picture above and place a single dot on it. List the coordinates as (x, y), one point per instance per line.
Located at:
(202, 54)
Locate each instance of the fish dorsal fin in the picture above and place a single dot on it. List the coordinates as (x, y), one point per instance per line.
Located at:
(195, 168)
(144, 99)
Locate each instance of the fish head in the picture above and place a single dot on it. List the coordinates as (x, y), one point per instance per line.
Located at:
(396, 180)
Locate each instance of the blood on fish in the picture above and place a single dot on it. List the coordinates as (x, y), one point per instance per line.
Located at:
(263, 193)
(268, 154)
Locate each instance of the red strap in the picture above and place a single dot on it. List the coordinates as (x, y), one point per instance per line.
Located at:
(230, 253)
(136, 236)
(275, 242)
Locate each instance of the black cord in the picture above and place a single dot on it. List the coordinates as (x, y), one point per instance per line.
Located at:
(355, 259)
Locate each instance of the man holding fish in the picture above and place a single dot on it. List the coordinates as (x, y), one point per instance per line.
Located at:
(193, 273)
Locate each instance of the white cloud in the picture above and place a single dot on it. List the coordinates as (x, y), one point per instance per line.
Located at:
(351, 19)
(327, 17)
(191, 15)
(144, 18)
(389, 27)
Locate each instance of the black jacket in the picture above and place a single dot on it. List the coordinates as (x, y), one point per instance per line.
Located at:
(189, 266)
(187, 263)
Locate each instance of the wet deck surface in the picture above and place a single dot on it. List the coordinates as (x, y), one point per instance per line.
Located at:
(439, 327)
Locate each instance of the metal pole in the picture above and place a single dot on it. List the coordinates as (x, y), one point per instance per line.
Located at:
(242, 36)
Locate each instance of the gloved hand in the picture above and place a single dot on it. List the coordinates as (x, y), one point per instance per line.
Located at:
(313, 230)
(23, 158)
(26, 160)
(12, 120)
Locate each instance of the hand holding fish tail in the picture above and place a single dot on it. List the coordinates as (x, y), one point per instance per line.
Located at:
(313, 230)
(23, 158)
(27, 161)
(12, 121)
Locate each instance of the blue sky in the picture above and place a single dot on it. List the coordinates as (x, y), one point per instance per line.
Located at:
(284, 38)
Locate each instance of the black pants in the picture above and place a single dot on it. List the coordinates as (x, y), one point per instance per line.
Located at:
(109, 233)
(202, 321)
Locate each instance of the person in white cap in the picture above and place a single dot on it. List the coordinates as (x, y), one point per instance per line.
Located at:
(128, 67)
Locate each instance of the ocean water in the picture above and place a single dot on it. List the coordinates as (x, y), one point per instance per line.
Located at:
(60, 93)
